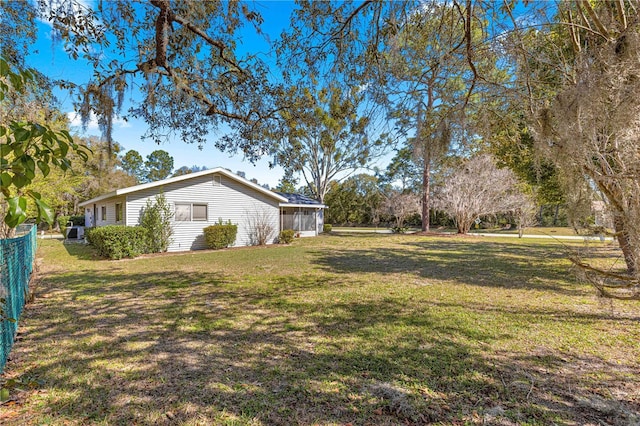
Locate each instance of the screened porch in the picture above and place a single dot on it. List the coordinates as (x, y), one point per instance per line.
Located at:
(303, 220)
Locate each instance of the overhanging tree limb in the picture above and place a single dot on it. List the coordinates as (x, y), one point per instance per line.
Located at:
(595, 18)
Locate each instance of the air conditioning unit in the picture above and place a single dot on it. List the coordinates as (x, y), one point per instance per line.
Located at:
(75, 233)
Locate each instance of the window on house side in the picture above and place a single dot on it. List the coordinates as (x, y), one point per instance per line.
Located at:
(200, 212)
(183, 212)
(118, 212)
(103, 213)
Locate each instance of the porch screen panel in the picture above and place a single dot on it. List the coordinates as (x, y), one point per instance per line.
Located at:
(307, 220)
(288, 219)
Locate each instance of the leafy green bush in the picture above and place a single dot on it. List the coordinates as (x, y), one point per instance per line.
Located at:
(286, 236)
(327, 227)
(117, 241)
(220, 235)
(399, 229)
(77, 220)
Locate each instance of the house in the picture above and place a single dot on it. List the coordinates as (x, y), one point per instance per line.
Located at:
(601, 214)
(202, 199)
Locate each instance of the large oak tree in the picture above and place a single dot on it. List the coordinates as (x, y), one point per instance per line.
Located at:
(324, 136)
(182, 57)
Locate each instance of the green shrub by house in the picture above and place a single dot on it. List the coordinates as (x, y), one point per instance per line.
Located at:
(220, 235)
(327, 227)
(286, 236)
(117, 241)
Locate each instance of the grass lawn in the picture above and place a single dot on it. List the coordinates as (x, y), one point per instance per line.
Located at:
(546, 230)
(538, 230)
(335, 330)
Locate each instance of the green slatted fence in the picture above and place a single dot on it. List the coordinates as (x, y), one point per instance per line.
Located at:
(16, 264)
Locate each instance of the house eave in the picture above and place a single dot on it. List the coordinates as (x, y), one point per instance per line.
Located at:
(100, 198)
(310, 206)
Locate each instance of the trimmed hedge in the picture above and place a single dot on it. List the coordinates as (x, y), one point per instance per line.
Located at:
(220, 235)
(117, 241)
(327, 227)
(286, 236)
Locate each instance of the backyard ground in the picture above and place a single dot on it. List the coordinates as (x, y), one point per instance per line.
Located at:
(547, 231)
(335, 330)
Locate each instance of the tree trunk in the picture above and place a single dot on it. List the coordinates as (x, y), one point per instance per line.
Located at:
(425, 192)
(625, 244)
(426, 156)
(463, 228)
(555, 215)
(540, 215)
(463, 224)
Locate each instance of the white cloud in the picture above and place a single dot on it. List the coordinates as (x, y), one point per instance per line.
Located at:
(121, 122)
(76, 121)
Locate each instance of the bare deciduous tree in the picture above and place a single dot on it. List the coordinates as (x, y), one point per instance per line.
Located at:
(260, 226)
(401, 206)
(477, 188)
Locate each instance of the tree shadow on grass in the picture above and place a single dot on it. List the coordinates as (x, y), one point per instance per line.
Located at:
(478, 263)
(171, 347)
(81, 251)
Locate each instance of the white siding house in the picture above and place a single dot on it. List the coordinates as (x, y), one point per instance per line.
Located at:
(197, 200)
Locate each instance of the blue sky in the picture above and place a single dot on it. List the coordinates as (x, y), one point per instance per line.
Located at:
(50, 58)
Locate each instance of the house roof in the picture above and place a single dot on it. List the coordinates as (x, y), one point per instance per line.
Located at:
(299, 200)
(218, 170)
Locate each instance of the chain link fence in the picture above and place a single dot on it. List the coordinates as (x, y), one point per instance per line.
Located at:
(17, 256)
